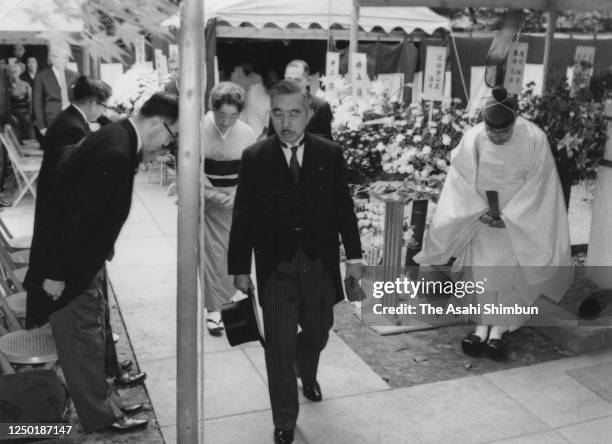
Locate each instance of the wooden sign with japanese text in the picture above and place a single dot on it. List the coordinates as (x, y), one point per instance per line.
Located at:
(435, 67)
(139, 51)
(515, 67)
(582, 72)
(332, 64)
(359, 75)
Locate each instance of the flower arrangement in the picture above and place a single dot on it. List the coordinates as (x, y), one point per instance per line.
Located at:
(576, 130)
(135, 86)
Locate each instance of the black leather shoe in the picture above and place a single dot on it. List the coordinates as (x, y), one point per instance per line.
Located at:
(129, 380)
(283, 436)
(313, 392)
(4, 203)
(126, 424)
(473, 346)
(132, 409)
(126, 366)
(496, 349)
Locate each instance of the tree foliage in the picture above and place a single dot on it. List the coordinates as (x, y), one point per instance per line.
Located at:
(110, 27)
(490, 19)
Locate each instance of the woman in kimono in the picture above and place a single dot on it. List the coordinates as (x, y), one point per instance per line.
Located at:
(517, 244)
(225, 137)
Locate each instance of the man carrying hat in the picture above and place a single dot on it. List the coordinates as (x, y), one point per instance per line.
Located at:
(502, 215)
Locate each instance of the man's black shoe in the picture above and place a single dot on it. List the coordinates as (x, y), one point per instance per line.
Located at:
(313, 392)
(126, 366)
(4, 203)
(132, 409)
(283, 436)
(128, 380)
(126, 424)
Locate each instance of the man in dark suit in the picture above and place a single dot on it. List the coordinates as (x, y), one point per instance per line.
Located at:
(52, 90)
(31, 67)
(320, 122)
(291, 205)
(101, 176)
(67, 130)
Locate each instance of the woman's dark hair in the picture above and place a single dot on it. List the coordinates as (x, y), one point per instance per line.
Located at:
(227, 93)
(161, 104)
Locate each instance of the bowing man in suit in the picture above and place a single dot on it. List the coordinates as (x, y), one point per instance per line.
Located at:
(292, 203)
(101, 173)
(52, 90)
(320, 121)
(68, 129)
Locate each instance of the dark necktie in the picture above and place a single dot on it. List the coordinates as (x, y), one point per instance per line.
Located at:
(294, 165)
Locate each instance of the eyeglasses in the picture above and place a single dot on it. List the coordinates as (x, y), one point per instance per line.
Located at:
(172, 135)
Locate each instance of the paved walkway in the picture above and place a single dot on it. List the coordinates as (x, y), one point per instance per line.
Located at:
(568, 400)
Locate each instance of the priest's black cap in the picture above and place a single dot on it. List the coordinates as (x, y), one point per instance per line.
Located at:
(500, 110)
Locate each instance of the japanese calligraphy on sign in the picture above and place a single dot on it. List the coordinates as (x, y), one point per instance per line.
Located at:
(435, 67)
(332, 64)
(515, 67)
(139, 51)
(359, 75)
(583, 68)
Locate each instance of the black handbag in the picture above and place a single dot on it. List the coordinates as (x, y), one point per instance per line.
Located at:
(241, 321)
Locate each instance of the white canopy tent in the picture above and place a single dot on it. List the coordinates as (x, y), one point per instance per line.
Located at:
(312, 19)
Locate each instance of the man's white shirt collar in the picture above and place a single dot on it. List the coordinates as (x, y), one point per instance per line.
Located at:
(299, 153)
(138, 139)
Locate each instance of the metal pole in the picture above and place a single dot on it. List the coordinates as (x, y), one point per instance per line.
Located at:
(548, 43)
(354, 33)
(191, 81)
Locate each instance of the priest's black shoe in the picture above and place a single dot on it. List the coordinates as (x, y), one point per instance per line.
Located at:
(283, 436)
(130, 380)
(473, 345)
(126, 366)
(313, 392)
(496, 349)
(127, 424)
(4, 203)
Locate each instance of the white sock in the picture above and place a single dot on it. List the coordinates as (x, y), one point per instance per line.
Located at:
(497, 331)
(214, 316)
(481, 332)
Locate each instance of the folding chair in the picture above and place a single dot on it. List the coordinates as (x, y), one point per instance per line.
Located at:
(12, 243)
(26, 168)
(12, 275)
(28, 147)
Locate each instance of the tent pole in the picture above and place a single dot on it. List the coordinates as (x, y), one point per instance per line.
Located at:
(354, 32)
(548, 43)
(191, 75)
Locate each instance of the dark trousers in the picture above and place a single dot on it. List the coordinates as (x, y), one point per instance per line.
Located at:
(300, 292)
(80, 331)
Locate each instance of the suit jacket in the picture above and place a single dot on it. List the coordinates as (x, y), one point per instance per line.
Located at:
(61, 140)
(47, 96)
(26, 78)
(101, 177)
(320, 122)
(261, 212)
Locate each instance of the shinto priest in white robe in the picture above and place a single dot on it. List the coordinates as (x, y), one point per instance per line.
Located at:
(531, 256)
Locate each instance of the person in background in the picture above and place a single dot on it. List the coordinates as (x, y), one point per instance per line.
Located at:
(20, 102)
(31, 68)
(52, 91)
(4, 119)
(225, 138)
(256, 113)
(19, 56)
(516, 244)
(320, 123)
(292, 206)
(244, 76)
